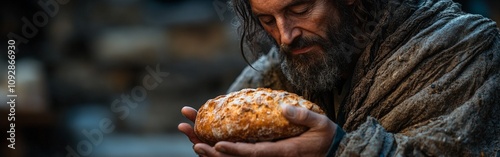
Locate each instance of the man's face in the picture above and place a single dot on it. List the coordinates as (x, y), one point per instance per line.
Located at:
(310, 34)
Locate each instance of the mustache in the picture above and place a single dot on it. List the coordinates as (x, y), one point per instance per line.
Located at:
(299, 43)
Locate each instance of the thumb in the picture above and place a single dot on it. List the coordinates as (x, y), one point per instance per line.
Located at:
(305, 117)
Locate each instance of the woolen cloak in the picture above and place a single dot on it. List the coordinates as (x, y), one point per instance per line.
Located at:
(427, 84)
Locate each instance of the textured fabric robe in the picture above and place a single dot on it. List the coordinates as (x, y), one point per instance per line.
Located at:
(428, 84)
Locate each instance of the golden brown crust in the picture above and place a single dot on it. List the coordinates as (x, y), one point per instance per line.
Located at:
(249, 115)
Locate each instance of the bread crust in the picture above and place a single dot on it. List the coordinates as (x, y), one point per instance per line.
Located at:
(249, 115)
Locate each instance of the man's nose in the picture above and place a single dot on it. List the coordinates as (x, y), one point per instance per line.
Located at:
(288, 31)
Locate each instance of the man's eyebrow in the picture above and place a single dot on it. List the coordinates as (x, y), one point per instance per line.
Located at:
(296, 3)
(260, 14)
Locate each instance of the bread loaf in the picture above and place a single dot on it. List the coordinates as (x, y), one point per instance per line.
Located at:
(249, 115)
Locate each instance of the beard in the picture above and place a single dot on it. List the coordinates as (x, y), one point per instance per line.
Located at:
(318, 71)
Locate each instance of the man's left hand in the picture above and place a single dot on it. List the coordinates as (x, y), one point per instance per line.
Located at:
(314, 142)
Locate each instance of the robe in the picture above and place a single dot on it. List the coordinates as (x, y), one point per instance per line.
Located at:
(426, 84)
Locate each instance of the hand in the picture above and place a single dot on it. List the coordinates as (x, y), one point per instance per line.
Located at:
(314, 142)
(186, 128)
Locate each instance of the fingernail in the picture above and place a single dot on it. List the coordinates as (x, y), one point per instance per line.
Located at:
(220, 149)
(200, 151)
(289, 111)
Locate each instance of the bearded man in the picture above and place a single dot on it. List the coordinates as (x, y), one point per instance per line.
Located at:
(396, 77)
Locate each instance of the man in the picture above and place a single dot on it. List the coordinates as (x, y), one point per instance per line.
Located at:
(399, 77)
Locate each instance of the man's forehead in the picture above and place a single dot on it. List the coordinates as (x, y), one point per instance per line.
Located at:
(270, 6)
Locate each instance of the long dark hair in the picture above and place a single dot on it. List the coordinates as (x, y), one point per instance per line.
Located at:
(252, 33)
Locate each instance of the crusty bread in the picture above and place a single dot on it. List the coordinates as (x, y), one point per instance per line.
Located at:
(249, 115)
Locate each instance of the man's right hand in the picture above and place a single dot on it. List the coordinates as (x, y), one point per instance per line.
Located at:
(186, 128)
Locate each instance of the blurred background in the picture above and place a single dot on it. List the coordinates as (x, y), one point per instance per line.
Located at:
(93, 53)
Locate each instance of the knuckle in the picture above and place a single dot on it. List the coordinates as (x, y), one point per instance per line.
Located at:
(323, 123)
(302, 114)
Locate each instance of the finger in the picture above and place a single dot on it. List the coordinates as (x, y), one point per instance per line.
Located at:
(250, 149)
(203, 149)
(305, 117)
(189, 113)
(189, 131)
